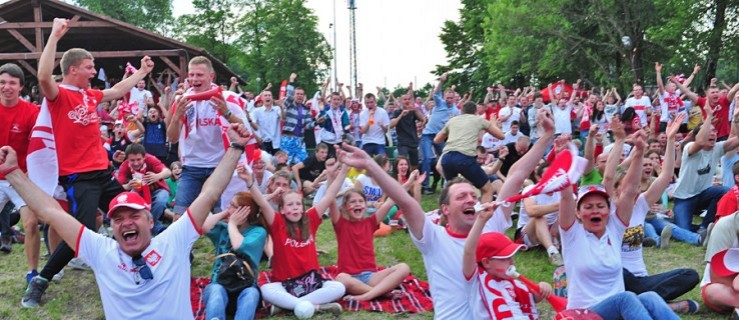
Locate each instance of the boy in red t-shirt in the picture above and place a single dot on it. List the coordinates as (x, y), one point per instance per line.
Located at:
(19, 117)
(720, 106)
(84, 170)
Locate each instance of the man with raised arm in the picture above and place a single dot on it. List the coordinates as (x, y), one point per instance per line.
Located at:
(443, 110)
(297, 121)
(137, 274)
(719, 105)
(442, 246)
(84, 170)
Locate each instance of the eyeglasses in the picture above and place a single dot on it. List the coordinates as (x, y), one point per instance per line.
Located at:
(142, 270)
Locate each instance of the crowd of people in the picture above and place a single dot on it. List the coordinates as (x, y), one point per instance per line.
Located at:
(193, 157)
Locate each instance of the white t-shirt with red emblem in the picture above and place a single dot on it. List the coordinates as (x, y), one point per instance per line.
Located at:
(124, 293)
(442, 256)
(640, 106)
(497, 298)
(202, 140)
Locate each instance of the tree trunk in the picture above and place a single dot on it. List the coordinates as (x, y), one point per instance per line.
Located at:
(714, 43)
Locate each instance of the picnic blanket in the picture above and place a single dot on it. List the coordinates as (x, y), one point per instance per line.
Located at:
(414, 296)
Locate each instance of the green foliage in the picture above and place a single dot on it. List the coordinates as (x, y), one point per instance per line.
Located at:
(515, 41)
(154, 15)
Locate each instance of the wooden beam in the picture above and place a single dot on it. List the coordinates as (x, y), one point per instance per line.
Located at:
(183, 66)
(48, 25)
(37, 18)
(18, 36)
(75, 18)
(174, 67)
(28, 67)
(96, 54)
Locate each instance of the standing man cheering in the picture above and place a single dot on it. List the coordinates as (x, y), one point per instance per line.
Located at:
(84, 170)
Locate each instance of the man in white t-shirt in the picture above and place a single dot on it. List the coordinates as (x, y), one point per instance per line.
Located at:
(509, 113)
(373, 124)
(513, 134)
(141, 96)
(198, 126)
(563, 115)
(642, 104)
(442, 246)
(136, 273)
(267, 117)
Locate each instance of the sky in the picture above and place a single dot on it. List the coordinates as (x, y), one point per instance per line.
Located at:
(397, 40)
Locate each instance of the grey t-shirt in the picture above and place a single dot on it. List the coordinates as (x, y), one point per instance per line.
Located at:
(697, 170)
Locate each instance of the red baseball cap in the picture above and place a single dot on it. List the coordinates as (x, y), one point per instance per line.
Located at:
(592, 189)
(497, 246)
(726, 263)
(127, 199)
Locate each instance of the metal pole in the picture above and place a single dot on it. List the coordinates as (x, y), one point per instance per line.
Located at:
(336, 57)
(353, 7)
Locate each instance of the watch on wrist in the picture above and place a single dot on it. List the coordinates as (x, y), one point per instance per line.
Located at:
(237, 146)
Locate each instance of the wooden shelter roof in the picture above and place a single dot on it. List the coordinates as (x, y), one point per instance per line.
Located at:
(25, 25)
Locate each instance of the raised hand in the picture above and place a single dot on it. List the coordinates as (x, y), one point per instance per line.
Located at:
(60, 27)
(657, 67)
(238, 133)
(696, 68)
(617, 128)
(353, 156)
(244, 174)
(674, 125)
(147, 64)
(234, 80)
(546, 120)
(8, 158)
(293, 76)
(443, 77)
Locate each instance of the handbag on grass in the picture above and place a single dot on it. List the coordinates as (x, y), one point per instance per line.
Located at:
(235, 272)
(304, 284)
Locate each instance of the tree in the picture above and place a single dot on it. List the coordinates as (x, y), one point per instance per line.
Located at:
(212, 28)
(153, 15)
(280, 37)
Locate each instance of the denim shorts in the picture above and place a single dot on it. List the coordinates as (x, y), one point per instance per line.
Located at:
(364, 276)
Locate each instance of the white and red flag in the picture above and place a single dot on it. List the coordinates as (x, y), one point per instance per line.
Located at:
(43, 166)
(565, 170)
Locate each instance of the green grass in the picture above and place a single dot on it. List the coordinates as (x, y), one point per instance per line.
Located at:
(77, 296)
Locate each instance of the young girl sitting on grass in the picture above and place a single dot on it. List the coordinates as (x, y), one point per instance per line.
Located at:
(354, 234)
(295, 277)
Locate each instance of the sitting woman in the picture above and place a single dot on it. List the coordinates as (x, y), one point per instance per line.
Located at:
(354, 234)
(240, 228)
(671, 284)
(295, 278)
(592, 229)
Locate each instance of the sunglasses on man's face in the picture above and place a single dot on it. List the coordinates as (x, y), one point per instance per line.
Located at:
(142, 270)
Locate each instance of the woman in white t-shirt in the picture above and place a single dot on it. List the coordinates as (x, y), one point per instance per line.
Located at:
(669, 285)
(592, 230)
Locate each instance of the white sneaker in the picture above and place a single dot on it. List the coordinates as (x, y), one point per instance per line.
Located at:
(78, 264)
(58, 277)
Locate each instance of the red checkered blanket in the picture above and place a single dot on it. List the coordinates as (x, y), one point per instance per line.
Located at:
(414, 297)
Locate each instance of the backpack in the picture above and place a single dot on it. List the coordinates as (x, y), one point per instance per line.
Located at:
(235, 273)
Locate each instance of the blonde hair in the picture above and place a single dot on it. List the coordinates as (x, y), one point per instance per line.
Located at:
(201, 60)
(73, 58)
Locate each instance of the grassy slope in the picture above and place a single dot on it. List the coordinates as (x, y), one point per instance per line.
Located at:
(77, 297)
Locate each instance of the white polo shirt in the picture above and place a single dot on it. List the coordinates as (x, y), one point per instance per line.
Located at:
(166, 296)
(374, 134)
(593, 266)
(640, 106)
(442, 257)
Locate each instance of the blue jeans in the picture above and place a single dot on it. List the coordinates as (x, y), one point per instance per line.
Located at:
(158, 203)
(669, 285)
(653, 228)
(216, 301)
(685, 208)
(188, 187)
(430, 151)
(627, 305)
(295, 149)
(455, 163)
(373, 148)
